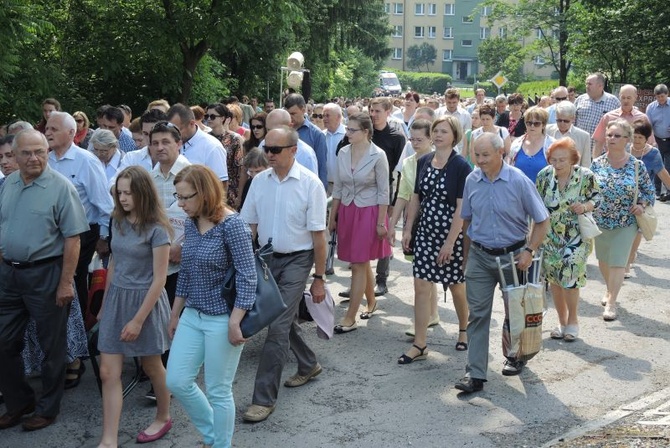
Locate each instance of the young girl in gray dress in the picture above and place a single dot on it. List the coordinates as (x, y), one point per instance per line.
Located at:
(135, 310)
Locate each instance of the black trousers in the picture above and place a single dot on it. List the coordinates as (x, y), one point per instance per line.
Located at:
(88, 241)
(664, 149)
(26, 293)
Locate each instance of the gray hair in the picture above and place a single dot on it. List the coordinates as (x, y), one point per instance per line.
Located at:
(256, 158)
(566, 108)
(67, 119)
(426, 110)
(661, 88)
(493, 139)
(104, 138)
(333, 107)
(18, 126)
(26, 132)
(623, 125)
(501, 99)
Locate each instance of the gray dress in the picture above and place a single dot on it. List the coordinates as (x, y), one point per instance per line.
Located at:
(133, 274)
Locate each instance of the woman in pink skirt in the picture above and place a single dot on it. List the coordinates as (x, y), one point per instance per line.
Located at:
(358, 213)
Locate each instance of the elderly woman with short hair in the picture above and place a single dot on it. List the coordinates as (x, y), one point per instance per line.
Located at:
(567, 191)
(566, 112)
(106, 148)
(529, 152)
(615, 172)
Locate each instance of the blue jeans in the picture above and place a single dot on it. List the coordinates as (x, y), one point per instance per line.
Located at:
(201, 338)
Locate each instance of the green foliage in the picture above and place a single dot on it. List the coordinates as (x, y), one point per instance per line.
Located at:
(356, 75)
(502, 54)
(532, 88)
(420, 55)
(427, 83)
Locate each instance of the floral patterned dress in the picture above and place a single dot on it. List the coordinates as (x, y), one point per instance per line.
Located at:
(565, 252)
(233, 144)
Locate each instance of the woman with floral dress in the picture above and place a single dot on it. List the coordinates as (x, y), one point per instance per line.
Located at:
(567, 190)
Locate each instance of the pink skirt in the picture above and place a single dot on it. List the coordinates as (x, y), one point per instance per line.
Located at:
(357, 240)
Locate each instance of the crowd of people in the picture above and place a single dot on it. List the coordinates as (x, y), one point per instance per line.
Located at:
(169, 200)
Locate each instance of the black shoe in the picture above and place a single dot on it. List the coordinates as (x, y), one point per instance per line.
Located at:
(470, 385)
(345, 294)
(664, 197)
(151, 395)
(512, 368)
(381, 289)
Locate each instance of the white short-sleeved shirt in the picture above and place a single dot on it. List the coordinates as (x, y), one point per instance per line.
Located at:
(206, 150)
(288, 210)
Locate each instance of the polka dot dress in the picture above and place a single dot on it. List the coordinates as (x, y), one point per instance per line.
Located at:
(433, 229)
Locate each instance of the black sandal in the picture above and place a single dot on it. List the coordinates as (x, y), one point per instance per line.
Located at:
(404, 359)
(74, 382)
(461, 346)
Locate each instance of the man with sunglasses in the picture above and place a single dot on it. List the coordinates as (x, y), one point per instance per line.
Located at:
(627, 111)
(565, 117)
(305, 155)
(287, 204)
(559, 94)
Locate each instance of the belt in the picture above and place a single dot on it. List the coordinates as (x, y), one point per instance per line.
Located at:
(501, 251)
(31, 264)
(662, 139)
(290, 254)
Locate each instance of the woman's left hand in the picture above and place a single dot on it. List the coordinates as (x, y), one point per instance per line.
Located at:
(636, 209)
(446, 254)
(235, 335)
(381, 232)
(131, 331)
(578, 208)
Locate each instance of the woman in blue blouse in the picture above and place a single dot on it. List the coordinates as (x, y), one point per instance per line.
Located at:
(615, 174)
(207, 331)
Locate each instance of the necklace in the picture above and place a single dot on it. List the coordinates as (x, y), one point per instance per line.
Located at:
(616, 162)
(639, 152)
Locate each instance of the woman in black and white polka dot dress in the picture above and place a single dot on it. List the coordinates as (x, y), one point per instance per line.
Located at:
(438, 249)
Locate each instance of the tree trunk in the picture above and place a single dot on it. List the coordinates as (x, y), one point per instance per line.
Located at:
(191, 58)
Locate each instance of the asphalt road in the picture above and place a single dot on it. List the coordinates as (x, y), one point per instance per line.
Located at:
(571, 394)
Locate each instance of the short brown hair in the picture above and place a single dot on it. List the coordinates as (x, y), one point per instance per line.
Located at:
(452, 93)
(642, 127)
(486, 109)
(384, 101)
(515, 98)
(565, 143)
(208, 188)
(454, 124)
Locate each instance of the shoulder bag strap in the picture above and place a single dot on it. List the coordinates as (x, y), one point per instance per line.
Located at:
(636, 179)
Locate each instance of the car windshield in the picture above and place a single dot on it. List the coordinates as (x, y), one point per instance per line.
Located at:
(390, 81)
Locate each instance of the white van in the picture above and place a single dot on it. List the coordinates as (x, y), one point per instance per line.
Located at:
(389, 84)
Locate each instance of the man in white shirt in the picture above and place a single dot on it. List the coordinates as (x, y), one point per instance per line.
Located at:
(287, 204)
(480, 96)
(564, 127)
(452, 99)
(334, 132)
(199, 147)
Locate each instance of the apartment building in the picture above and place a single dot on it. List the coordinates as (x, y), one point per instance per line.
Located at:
(455, 28)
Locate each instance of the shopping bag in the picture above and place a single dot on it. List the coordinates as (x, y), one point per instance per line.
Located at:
(524, 305)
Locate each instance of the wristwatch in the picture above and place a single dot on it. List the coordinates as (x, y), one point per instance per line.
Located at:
(528, 249)
(320, 277)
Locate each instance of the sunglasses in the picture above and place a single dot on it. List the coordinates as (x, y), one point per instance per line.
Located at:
(211, 117)
(319, 116)
(257, 126)
(533, 123)
(614, 135)
(79, 120)
(276, 149)
(561, 120)
(561, 99)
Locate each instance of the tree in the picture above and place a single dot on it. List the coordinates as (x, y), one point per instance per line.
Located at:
(501, 54)
(418, 55)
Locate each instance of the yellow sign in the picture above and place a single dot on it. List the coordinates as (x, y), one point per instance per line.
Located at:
(499, 80)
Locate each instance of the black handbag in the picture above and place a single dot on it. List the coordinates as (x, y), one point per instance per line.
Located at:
(269, 304)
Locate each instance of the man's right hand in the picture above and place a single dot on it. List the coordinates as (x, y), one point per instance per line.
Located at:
(64, 294)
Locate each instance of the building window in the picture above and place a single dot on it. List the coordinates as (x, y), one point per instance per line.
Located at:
(387, 8)
(467, 19)
(418, 32)
(502, 32)
(466, 43)
(539, 60)
(484, 32)
(397, 53)
(398, 8)
(447, 55)
(538, 33)
(418, 9)
(432, 9)
(397, 31)
(432, 32)
(448, 32)
(487, 10)
(449, 9)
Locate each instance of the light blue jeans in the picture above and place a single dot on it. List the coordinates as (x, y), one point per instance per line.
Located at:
(201, 338)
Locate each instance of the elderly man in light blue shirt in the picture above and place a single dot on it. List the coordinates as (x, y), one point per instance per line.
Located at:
(334, 132)
(498, 202)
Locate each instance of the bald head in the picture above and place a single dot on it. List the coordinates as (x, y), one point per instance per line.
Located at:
(627, 96)
(332, 116)
(560, 94)
(277, 118)
(31, 151)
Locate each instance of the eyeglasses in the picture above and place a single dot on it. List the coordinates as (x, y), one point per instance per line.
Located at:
(211, 117)
(533, 123)
(417, 140)
(352, 130)
(257, 126)
(319, 116)
(184, 198)
(103, 150)
(79, 120)
(615, 136)
(561, 120)
(275, 149)
(563, 98)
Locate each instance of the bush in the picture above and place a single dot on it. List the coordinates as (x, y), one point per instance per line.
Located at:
(426, 83)
(530, 89)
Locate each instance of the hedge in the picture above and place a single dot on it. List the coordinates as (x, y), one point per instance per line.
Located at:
(427, 83)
